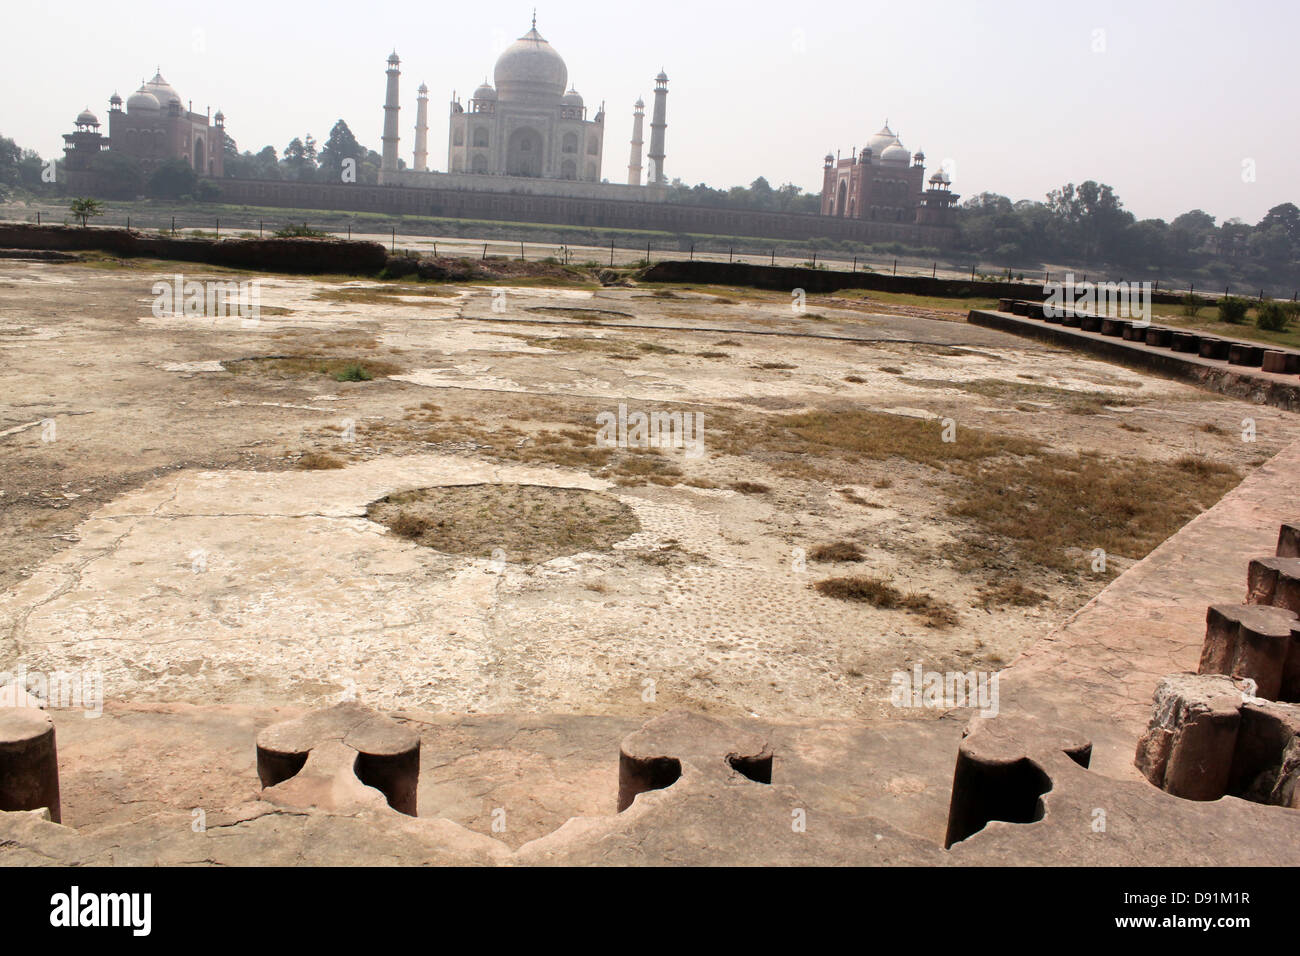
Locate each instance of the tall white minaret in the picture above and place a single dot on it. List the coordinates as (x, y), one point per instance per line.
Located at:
(391, 106)
(658, 124)
(422, 129)
(634, 163)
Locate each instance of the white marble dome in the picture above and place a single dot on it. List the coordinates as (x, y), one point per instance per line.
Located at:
(162, 90)
(882, 140)
(530, 68)
(896, 154)
(142, 101)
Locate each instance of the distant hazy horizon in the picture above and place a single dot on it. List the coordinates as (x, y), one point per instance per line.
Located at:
(1166, 102)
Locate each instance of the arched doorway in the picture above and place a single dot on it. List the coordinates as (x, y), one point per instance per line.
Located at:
(843, 198)
(200, 163)
(524, 153)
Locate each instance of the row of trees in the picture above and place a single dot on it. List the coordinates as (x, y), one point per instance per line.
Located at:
(303, 160)
(1087, 225)
(759, 195)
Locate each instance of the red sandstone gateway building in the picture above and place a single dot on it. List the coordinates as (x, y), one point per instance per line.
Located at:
(885, 183)
(153, 129)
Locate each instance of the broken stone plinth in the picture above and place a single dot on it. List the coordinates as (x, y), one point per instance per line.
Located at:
(1189, 746)
(1288, 540)
(652, 758)
(1003, 770)
(338, 758)
(29, 764)
(1266, 763)
(1255, 641)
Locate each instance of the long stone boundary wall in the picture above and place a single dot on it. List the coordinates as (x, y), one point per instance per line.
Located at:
(787, 278)
(677, 218)
(272, 255)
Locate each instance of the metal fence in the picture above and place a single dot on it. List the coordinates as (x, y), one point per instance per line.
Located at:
(399, 236)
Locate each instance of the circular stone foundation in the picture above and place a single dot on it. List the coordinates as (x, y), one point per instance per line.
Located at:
(529, 523)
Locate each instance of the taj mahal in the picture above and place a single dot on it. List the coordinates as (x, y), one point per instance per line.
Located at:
(529, 130)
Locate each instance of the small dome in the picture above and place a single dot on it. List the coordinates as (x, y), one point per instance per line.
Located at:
(639, 104)
(142, 101)
(919, 156)
(422, 90)
(896, 153)
(572, 98)
(115, 100)
(662, 77)
(940, 177)
(392, 59)
(530, 68)
(220, 117)
(485, 92)
(87, 118)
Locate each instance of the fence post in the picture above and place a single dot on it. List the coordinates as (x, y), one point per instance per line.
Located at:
(38, 217)
(349, 232)
(484, 251)
(934, 270)
(972, 273)
(773, 257)
(692, 252)
(731, 254)
(521, 250)
(259, 229)
(218, 228)
(647, 252)
(855, 263)
(128, 223)
(611, 253)
(173, 225)
(814, 260)
(895, 267)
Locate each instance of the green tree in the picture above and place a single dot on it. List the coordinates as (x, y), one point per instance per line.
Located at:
(85, 209)
(172, 180)
(341, 145)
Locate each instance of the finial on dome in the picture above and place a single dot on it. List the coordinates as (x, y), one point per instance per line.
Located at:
(534, 18)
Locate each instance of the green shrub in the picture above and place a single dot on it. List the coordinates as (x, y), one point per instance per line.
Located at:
(354, 373)
(1192, 304)
(1232, 309)
(1271, 317)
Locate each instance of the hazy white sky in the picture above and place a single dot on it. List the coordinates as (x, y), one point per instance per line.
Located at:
(1163, 100)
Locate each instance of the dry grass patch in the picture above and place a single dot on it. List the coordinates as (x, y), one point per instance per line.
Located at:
(880, 593)
(838, 551)
(1047, 505)
(318, 461)
(296, 366)
(381, 295)
(1009, 593)
(750, 487)
(529, 523)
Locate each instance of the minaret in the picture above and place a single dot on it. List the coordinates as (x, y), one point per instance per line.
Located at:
(634, 164)
(422, 129)
(657, 126)
(391, 139)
